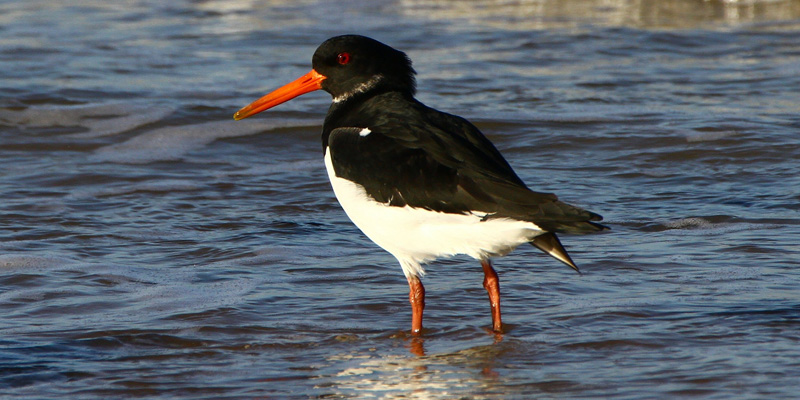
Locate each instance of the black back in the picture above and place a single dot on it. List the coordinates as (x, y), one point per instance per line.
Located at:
(416, 156)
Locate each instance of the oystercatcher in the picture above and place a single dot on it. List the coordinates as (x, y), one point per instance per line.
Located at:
(420, 183)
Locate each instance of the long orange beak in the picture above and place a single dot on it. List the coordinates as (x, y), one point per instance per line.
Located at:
(307, 83)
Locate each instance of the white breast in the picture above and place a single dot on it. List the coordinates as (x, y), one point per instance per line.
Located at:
(415, 235)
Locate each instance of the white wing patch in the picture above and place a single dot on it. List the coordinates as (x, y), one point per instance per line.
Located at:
(364, 132)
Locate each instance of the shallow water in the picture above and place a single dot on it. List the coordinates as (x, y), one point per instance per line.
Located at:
(152, 247)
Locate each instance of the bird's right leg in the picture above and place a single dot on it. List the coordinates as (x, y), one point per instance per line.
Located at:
(416, 296)
(492, 285)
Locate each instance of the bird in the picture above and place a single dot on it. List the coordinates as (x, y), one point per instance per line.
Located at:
(420, 183)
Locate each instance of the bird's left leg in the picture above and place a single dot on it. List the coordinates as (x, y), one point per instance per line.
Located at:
(492, 285)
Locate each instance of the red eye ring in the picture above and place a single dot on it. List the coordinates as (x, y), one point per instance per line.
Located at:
(343, 58)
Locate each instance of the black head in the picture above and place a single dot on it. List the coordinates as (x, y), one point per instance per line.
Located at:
(344, 66)
(355, 64)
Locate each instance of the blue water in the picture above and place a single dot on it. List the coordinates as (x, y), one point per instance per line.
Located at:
(152, 247)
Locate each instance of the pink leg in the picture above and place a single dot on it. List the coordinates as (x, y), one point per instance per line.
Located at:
(416, 296)
(492, 285)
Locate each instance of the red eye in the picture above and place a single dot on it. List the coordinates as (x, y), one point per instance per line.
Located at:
(343, 58)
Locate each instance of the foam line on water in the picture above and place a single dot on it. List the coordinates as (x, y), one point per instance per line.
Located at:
(162, 186)
(99, 119)
(31, 262)
(174, 142)
(694, 137)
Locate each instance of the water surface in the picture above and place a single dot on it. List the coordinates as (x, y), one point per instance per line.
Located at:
(152, 247)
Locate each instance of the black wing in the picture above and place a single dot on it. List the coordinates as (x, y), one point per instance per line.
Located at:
(416, 156)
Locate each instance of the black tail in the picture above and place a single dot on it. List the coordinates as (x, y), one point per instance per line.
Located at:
(549, 243)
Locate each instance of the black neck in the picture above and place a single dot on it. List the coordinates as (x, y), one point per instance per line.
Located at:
(354, 111)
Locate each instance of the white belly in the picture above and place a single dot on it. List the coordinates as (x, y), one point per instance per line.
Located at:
(415, 235)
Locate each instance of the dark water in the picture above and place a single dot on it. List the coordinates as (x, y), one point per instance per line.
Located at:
(152, 247)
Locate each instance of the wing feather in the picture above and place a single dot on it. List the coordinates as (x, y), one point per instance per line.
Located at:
(443, 163)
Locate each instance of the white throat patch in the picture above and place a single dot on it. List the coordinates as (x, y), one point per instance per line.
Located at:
(359, 89)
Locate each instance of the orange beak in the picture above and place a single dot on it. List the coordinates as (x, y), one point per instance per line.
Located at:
(307, 83)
